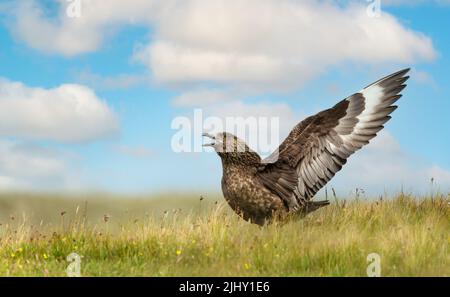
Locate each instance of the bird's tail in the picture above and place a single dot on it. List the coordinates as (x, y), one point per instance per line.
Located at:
(314, 205)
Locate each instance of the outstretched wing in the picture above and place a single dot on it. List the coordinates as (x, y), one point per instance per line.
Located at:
(319, 146)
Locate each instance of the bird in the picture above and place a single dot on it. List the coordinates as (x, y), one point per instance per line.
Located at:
(282, 185)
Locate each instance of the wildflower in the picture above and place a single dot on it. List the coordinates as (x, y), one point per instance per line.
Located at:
(247, 266)
(178, 252)
(13, 255)
(45, 256)
(19, 250)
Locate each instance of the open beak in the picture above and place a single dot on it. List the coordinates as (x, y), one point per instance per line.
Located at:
(209, 136)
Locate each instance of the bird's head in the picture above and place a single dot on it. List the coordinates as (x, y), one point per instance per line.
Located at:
(231, 149)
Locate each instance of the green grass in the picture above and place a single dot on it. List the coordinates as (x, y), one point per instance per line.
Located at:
(182, 236)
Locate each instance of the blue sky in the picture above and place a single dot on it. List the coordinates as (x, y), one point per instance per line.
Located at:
(131, 67)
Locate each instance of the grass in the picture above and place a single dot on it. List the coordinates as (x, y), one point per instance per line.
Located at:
(187, 237)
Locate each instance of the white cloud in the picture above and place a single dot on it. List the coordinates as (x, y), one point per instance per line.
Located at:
(175, 64)
(26, 166)
(274, 44)
(73, 36)
(62, 36)
(385, 165)
(8, 183)
(68, 113)
(15, 156)
(205, 97)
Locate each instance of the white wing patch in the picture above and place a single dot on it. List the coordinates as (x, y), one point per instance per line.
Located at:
(373, 95)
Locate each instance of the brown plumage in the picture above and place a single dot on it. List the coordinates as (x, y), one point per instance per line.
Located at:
(315, 150)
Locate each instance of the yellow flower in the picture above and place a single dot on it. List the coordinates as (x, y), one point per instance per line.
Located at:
(13, 255)
(246, 266)
(20, 250)
(45, 256)
(178, 252)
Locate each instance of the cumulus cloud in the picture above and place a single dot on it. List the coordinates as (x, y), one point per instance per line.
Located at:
(71, 36)
(273, 44)
(269, 43)
(205, 97)
(25, 165)
(385, 165)
(68, 113)
(175, 64)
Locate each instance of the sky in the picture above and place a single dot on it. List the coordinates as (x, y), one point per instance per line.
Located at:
(89, 89)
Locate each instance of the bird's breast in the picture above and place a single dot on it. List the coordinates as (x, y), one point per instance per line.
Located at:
(247, 196)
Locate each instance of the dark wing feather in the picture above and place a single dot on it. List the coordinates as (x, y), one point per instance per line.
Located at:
(318, 147)
(281, 179)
